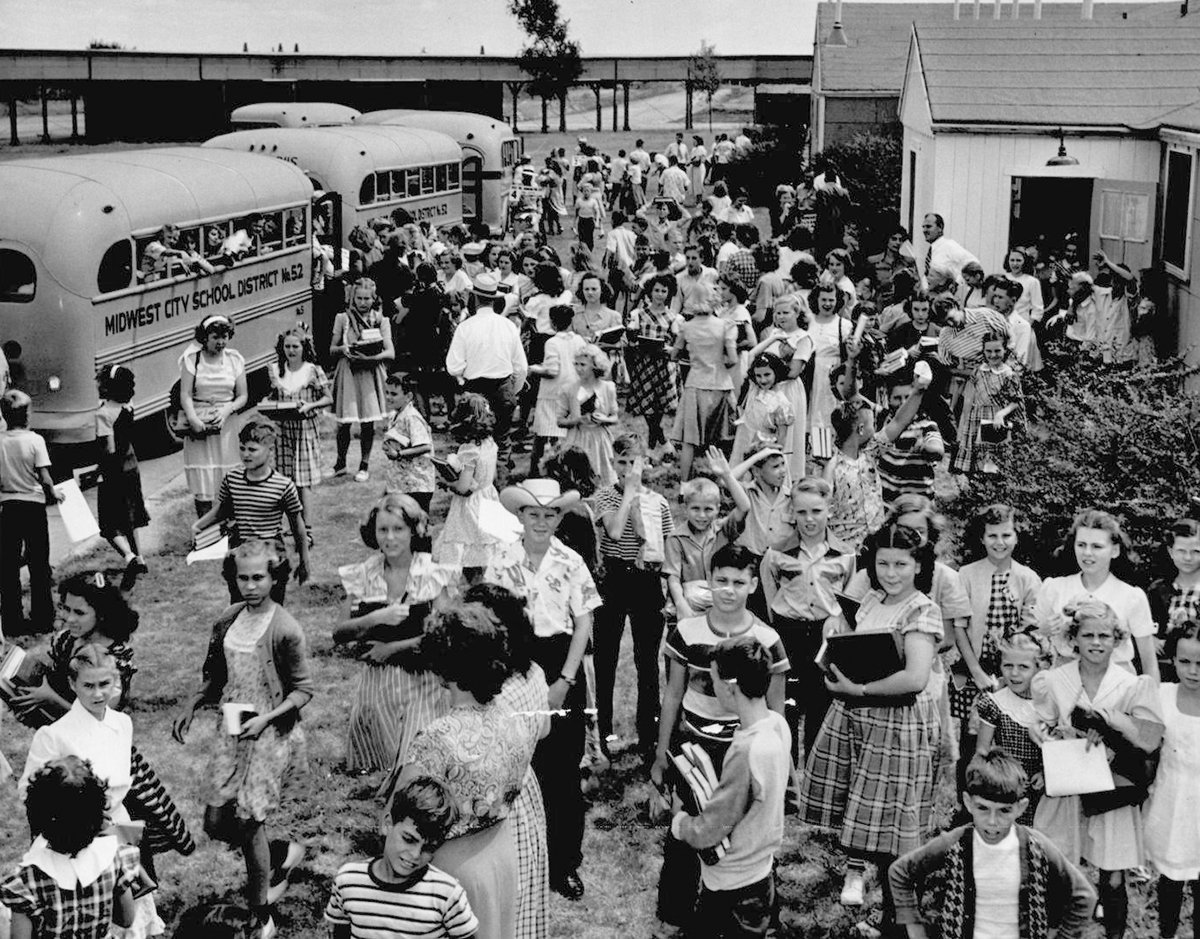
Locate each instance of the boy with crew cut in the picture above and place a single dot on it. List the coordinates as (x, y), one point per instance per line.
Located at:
(769, 519)
(737, 898)
(801, 583)
(993, 877)
(400, 893)
(256, 497)
(692, 712)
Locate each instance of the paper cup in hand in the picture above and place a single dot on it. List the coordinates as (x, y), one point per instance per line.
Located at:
(233, 714)
(922, 374)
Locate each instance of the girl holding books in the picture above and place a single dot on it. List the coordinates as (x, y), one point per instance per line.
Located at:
(870, 777)
(362, 345)
(297, 380)
(995, 405)
(588, 410)
(462, 542)
(388, 597)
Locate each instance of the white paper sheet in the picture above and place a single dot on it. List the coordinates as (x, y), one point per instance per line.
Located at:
(76, 515)
(214, 552)
(1073, 768)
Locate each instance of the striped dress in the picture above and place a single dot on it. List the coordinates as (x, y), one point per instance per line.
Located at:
(393, 703)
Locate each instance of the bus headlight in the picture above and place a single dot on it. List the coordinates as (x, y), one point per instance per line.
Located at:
(54, 383)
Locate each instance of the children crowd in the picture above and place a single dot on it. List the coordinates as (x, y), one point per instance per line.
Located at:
(820, 661)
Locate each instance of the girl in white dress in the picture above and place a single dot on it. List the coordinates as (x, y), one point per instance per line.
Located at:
(829, 332)
(1172, 817)
(1094, 698)
(788, 339)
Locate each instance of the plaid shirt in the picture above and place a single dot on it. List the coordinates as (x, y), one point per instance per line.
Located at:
(83, 912)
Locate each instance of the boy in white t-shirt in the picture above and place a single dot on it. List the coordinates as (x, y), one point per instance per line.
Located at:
(993, 878)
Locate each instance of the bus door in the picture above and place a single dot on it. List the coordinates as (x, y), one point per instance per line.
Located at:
(472, 188)
(328, 303)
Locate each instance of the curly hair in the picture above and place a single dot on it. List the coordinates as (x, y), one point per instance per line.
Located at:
(511, 612)
(814, 298)
(1189, 629)
(901, 538)
(67, 804)
(1124, 564)
(278, 566)
(116, 383)
(404, 507)
(911, 503)
(1085, 609)
(601, 366)
(791, 303)
(771, 361)
(115, 618)
(307, 352)
(995, 514)
(472, 420)
(573, 469)
(465, 645)
(1028, 641)
(606, 296)
(90, 655)
(665, 280)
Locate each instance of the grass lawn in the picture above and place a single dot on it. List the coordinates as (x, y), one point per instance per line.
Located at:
(333, 815)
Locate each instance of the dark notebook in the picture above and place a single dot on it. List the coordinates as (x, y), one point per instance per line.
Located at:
(863, 657)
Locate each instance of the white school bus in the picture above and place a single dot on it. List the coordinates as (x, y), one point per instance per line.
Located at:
(80, 290)
(375, 170)
(292, 114)
(490, 152)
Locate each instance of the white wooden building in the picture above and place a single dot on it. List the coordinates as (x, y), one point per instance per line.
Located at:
(982, 109)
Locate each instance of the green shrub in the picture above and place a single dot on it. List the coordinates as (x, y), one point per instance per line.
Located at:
(1122, 439)
(870, 166)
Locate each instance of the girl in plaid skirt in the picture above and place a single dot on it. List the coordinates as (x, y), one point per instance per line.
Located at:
(871, 774)
(298, 380)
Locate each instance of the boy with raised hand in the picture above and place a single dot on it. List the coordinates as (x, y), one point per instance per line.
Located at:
(635, 523)
(994, 877)
(691, 712)
(801, 584)
(737, 897)
(690, 549)
(400, 893)
(769, 518)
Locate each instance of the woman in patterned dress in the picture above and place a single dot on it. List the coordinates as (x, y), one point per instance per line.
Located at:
(482, 752)
(653, 385)
(993, 394)
(388, 597)
(257, 656)
(871, 774)
(298, 379)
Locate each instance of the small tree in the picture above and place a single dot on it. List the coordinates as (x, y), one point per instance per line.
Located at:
(552, 59)
(869, 165)
(705, 75)
(104, 44)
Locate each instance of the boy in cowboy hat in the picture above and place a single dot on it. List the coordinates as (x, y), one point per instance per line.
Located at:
(561, 596)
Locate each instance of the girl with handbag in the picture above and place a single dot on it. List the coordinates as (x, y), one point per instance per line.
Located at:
(1093, 697)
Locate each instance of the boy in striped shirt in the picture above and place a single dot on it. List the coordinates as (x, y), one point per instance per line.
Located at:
(256, 497)
(401, 893)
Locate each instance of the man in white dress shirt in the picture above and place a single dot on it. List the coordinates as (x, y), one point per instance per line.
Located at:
(941, 252)
(487, 357)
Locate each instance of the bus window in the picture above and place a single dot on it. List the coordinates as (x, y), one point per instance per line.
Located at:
(116, 268)
(399, 184)
(426, 179)
(293, 227)
(189, 240)
(18, 277)
(414, 182)
(383, 186)
(440, 183)
(271, 233)
(366, 192)
(453, 175)
(508, 153)
(214, 238)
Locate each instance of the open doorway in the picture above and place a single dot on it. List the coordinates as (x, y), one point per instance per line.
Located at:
(1047, 209)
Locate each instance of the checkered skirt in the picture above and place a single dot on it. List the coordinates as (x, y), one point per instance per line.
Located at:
(871, 775)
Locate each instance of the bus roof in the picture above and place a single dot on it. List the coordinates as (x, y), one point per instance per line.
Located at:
(295, 114)
(69, 209)
(317, 148)
(464, 126)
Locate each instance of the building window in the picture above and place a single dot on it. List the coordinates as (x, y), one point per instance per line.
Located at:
(1178, 200)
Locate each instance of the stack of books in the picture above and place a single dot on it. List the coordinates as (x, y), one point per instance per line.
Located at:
(698, 779)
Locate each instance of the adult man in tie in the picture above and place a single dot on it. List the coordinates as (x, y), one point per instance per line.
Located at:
(943, 252)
